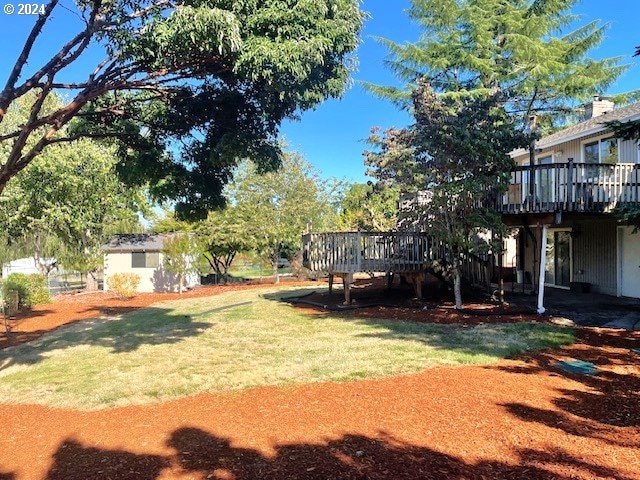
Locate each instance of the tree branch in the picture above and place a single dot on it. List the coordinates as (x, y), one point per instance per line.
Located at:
(6, 95)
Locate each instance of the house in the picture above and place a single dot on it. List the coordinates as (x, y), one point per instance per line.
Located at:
(142, 254)
(562, 205)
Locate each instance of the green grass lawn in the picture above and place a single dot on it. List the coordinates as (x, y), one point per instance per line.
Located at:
(238, 340)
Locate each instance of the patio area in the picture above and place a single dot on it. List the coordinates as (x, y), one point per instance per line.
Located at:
(586, 309)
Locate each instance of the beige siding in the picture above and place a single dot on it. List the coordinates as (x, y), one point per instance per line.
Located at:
(573, 149)
(594, 255)
(629, 151)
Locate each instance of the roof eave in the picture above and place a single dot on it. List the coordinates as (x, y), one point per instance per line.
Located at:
(600, 128)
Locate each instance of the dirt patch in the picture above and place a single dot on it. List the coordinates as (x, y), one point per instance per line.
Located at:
(515, 420)
(65, 309)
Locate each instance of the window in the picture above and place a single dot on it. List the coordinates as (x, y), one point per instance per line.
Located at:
(145, 260)
(601, 151)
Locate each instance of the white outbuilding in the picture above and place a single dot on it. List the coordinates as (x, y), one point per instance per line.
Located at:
(142, 254)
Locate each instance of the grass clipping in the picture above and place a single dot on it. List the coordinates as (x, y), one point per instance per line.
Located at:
(238, 340)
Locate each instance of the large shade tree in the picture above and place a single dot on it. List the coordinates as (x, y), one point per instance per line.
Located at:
(184, 88)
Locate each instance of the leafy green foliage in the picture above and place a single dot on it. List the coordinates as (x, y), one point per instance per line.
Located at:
(181, 251)
(73, 193)
(368, 208)
(629, 214)
(189, 88)
(277, 207)
(31, 288)
(511, 48)
(223, 235)
(629, 130)
(459, 145)
(124, 284)
(68, 201)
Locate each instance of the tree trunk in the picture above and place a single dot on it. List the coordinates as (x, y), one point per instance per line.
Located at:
(92, 282)
(276, 276)
(457, 286)
(181, 283)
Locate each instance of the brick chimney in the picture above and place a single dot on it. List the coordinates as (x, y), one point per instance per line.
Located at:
(598, 107)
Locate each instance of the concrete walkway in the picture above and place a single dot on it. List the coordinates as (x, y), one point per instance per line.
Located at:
(587, 309)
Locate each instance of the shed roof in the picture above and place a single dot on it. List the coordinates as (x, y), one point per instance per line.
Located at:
(137, 242)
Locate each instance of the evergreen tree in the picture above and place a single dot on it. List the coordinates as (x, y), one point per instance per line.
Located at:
(518, 50)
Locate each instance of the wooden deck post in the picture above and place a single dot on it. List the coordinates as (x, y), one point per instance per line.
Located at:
(330, 283)
(419, 278)
(389, 280)
(347, 280)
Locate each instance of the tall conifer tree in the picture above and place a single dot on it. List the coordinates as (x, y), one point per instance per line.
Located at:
(526, 51)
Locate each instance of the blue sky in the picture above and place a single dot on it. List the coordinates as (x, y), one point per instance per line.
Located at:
(332, 136)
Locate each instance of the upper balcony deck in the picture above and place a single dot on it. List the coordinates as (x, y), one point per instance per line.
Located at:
(570, 187)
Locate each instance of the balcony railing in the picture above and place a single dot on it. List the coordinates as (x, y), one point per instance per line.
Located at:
(571, 187)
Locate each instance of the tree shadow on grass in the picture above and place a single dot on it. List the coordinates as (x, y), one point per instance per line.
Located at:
(492, 337)
(150, 326)
(351, 457)
(611, 398)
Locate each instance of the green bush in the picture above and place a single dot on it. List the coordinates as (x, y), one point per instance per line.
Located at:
(32, 289)
(125, 285)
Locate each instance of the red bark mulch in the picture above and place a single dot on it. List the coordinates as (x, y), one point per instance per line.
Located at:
(518, 419)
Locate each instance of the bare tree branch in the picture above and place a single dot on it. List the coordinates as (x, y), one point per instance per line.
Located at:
(6, 94)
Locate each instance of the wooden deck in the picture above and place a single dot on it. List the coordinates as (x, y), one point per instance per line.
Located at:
(352, 252)
(343, 254)
(410, 254)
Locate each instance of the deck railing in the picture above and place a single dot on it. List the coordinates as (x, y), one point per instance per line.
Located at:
(388, 252)
(571, 187)
(350, 252)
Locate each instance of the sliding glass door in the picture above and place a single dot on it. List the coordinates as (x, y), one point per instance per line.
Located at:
(558, 258)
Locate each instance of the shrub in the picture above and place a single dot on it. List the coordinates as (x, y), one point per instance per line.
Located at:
(125, 285)
(31, 288)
